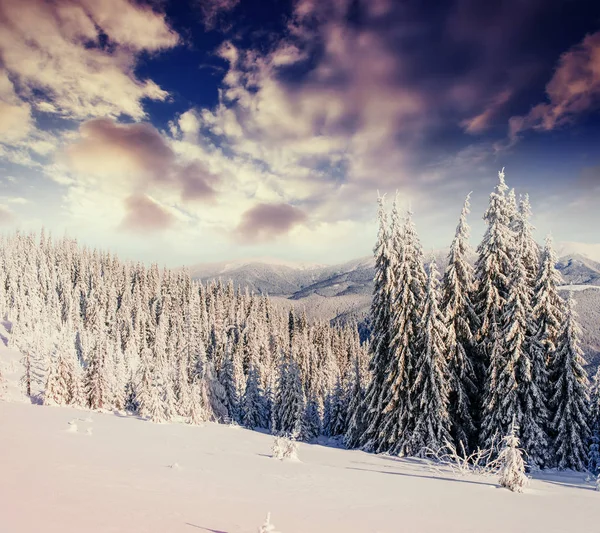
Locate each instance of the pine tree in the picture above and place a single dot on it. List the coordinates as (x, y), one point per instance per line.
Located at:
(196, 406)
(512, 470)
(97, 384)
(381, 309)
(339, 410)
(26, 378)
(492, 273)
(569, 401)
(461, 321)
(430, 386)
(548, 306)
(253, 413)
(227, 378)
(355, 423)
(311, 422)
(398, 419)
(289, 401)
(58, 383)
(520, 333)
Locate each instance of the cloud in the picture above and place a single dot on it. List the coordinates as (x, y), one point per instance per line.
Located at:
(264, 222)
(213, 10)
(77, 58)
(482, 121)
(109, 148)
(135, 158)
(15, 115)
(573, 90)
(144, 215)
(6, 215)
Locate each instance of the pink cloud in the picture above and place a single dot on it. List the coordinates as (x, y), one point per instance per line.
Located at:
(264, 222)
(482, 121)
(573, 89)
(144, 215)
(139, 154)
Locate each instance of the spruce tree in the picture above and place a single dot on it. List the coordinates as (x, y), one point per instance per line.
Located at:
(398, 419)
(289, 402)
(521, 333)
(569, 400)
(512, 469)
(461, 321)
(430, 386)
(253, 413)
(196, 406)
(548, 306)
(381, 309)
(492, 274)
(356, 416)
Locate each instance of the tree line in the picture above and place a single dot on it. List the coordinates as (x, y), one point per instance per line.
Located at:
(102, 334)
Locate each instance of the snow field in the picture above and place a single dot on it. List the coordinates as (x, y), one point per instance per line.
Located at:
(123, 479)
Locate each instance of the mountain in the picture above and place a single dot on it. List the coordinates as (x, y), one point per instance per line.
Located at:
(342, 293)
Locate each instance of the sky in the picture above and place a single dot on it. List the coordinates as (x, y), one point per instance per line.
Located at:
(189, 131)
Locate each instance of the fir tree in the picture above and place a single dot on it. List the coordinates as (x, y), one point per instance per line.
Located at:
(196, 406)
(569, 401)
(311, 421)
(339, 410)
(252, 407)
(381, 309)
(492, 270)
(356, 417)
(512, 469)
(430, 386)
(461, 321)
(289, 402)
(398, 414)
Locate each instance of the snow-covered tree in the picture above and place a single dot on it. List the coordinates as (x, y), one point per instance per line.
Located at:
(431, 429)
(398, 414)
(512, 467)
(569, 401)
(253, 408)
(289, 399)
(356, 405)
(381, 309)
(196, 406)
(492, 270)
(461, 321)
(548, 306)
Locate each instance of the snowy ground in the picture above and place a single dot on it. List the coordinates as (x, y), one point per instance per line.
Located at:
(57, 477)
(64, 470)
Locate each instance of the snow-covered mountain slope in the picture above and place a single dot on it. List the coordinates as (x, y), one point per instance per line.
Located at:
(68, 471)
(590, 251)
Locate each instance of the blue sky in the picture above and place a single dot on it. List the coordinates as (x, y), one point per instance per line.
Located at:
(205, 130)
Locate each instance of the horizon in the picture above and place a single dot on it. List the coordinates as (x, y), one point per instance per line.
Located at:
(224, 129)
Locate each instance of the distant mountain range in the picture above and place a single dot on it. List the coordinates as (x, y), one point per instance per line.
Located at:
(340, 293)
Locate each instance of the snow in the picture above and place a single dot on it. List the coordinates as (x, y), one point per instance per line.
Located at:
(577, 288)
(589, 250)
(122, 479)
